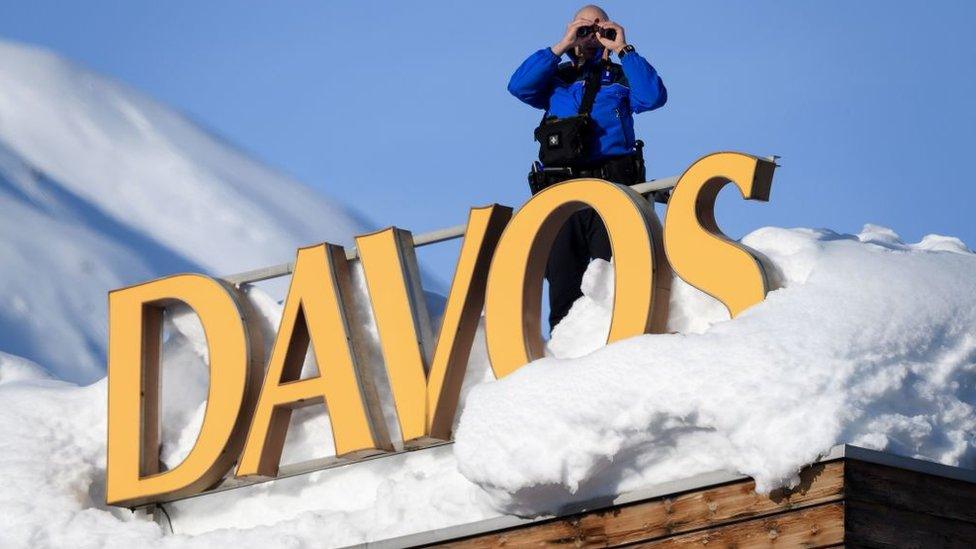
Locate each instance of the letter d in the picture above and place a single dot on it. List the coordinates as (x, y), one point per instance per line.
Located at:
(133, 474)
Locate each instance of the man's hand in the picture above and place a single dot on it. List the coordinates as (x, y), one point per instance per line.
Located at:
(613, 45)
(569, 39)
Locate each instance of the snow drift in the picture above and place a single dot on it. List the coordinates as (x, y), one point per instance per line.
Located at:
(867, 340)
(870, 342)
(101, 187)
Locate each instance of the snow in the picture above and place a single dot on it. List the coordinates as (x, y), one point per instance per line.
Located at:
(869, 341)
(102, 187)
(865, 340)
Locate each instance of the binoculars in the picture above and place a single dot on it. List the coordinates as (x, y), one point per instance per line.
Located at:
(609, 34)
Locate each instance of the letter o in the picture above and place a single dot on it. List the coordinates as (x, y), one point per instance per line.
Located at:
(514, 289)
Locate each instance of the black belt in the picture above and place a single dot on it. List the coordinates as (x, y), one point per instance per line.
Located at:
(625, 170)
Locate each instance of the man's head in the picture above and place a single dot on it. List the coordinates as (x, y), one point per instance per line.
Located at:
(592, 12)
(589, 46)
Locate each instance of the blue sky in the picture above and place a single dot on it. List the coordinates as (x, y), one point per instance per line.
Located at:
(400, 109)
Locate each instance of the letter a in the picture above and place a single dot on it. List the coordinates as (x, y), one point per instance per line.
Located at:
(319, 299)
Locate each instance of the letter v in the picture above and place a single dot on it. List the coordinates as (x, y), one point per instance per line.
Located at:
(426, 403)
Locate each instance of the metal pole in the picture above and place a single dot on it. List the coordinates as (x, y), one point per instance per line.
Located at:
(423, 239)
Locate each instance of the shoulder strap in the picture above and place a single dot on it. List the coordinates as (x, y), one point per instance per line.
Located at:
(590, 87)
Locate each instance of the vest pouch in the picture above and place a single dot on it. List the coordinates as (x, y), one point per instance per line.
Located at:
(562, 140)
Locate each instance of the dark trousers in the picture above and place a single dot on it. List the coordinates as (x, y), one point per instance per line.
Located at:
(582, 239)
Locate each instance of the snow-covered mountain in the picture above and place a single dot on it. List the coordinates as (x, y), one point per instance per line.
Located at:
(101, 186)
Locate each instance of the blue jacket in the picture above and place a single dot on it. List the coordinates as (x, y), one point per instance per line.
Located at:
(631, 87)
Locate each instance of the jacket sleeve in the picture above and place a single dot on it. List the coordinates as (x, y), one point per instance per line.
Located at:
(647, 91)
(532, 82)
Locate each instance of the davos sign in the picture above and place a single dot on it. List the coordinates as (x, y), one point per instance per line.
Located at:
(500, 270)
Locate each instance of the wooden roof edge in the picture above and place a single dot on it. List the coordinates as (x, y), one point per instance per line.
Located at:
(697, 482)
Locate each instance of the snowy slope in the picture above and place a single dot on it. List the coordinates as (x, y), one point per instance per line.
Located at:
(867, 340)
(101, 187)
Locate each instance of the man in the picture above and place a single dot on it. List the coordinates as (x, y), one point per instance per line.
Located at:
(609, 149)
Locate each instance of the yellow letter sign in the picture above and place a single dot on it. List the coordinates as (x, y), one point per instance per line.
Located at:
(426, 402)
(500, 269)
(698, 251)
(316, 311)
(514, 296)
(133, 474)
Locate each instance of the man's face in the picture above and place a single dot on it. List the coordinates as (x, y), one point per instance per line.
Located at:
(589, 46)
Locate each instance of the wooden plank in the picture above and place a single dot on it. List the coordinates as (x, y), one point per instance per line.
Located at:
(820, 526)
(882, 526)
(911, 491)
(685, 512)
(662, 517)
(852, 502)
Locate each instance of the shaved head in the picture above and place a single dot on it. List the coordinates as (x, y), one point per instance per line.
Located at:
(592, 12)
(589, 47)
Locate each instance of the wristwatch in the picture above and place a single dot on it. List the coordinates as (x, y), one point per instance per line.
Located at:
(625, 50)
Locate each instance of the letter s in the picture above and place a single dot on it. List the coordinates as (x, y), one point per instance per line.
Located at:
(696, 248)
